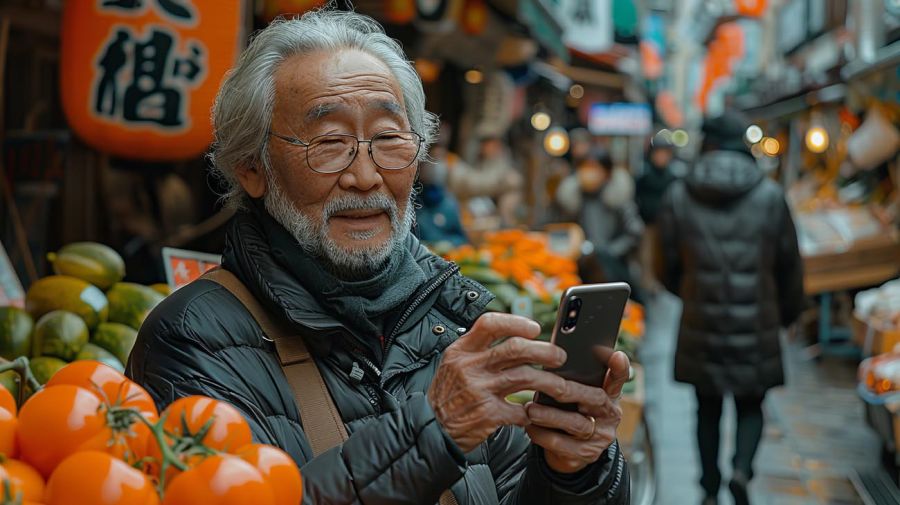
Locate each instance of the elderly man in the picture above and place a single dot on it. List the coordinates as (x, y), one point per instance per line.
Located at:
(322, 242)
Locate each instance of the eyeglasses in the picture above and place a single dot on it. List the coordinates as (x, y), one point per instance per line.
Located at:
(330, 154)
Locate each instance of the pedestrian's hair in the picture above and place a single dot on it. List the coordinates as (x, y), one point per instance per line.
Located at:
(242, 113)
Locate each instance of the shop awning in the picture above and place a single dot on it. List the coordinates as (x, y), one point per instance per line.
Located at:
(543, 26)
(887, 56)
(540, 20)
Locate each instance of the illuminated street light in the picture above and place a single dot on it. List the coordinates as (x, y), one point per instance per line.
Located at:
(540, 121)
(474, 76)
(771, 146)
(576, 91)
(754, 134)
(817, 139)
(556, 141)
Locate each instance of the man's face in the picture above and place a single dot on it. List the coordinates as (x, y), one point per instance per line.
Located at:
(354, 219)
(661, 157)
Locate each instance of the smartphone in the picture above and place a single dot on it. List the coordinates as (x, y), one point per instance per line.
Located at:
(587, 327)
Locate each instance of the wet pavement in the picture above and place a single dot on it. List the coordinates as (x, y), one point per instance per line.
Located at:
(815, 439)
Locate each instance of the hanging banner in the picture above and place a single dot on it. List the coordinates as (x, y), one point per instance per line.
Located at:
(752, 8)
(139, 77)
(724, 54)
(653, 45)
(587, 24)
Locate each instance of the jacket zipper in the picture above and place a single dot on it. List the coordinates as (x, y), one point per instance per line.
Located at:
(370, 393)
(441, 279)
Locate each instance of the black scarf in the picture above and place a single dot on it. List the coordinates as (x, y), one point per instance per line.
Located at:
(362, 306)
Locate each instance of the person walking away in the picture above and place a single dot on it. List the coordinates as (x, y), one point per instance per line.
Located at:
(649, 190)
(730, 252)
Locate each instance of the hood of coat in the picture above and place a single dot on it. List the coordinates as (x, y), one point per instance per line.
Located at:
(720, 177)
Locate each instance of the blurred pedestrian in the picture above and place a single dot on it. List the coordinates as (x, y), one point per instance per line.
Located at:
(655, 179)
(494, 176)
(649, 190)
(437, 211)
(730, 252)
(601, 198)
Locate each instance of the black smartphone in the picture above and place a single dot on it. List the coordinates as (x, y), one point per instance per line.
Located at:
(587, 327)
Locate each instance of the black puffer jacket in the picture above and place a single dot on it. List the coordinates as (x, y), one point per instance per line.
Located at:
(731, 254)
(201, 340)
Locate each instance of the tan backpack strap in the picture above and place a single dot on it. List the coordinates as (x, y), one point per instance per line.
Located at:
(320, 417)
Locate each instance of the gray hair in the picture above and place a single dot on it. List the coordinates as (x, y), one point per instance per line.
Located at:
(242, 113)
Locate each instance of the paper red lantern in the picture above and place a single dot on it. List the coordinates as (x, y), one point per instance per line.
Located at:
(139, 77)
(400, 12)
(475, 16)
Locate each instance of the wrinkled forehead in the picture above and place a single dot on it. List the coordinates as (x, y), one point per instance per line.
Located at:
(322, 84)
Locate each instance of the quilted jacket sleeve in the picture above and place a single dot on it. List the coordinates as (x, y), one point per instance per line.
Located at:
(789, 268)
(523, 478)
(200, 347)
(671, 257)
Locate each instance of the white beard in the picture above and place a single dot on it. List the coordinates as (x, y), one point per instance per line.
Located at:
(313, 236)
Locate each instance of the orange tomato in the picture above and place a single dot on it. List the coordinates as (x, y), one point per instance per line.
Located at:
(8, 426)
(128, 443)
(229, 430)
(220, 480)
(58, 421)
(108, 383)
(278, 469)
(24, 479)
(99, 479)
(7, 401)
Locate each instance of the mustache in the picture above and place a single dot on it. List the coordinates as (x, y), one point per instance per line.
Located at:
(348, 202)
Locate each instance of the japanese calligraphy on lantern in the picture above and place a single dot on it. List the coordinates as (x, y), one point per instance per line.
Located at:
(139, 77)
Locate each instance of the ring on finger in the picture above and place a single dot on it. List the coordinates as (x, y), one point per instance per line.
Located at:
(593, 428)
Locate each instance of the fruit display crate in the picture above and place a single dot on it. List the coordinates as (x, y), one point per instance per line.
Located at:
(883, 415)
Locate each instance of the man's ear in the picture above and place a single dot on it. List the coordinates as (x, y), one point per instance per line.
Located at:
(253, 178)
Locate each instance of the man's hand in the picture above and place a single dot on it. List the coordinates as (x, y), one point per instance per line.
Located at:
(468, 392)
(574, 440)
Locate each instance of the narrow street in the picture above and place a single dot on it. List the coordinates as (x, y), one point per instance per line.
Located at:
(815, 436)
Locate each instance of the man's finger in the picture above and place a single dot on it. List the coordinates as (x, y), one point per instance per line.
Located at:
(524, 377)
(565, 446)
(517, 351)
(573, 423)
(617, 375)
(493, 326)
(513, 415)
